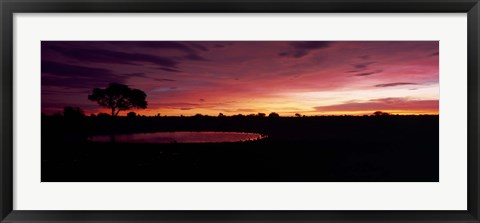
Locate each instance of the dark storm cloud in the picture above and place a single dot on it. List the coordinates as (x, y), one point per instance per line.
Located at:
(303, 48)
(364, 57)
(163, 79)
(169, 69)
(77, 82)
(294, 54)
(362, 69)
(190, 51)
(368, 73)
(155, 45)
(310, 45)
(363, 65)
(199, 46)
(395, 84)
(64, 91)
(195, 57)
(74, 76)
(114, 57)
(62, 69)
(354, 71)
(134, 75)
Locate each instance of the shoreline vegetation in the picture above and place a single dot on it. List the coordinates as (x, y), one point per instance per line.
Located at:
(103, 123)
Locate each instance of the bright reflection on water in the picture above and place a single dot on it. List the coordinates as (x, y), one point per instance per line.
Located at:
(180, 137)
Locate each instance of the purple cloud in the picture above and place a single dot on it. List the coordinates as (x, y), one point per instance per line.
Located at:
(395, 84)
(74, 76)
(303, 48)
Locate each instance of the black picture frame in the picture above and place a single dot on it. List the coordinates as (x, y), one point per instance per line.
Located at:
(9, 7)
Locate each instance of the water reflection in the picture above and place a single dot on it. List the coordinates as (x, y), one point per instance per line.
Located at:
(180, 137)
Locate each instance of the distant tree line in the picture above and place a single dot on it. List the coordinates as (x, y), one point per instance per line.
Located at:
(120, 97)
(76, 112)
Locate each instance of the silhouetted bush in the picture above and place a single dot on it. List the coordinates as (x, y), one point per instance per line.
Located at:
(131, 114)
(380, 113)
(273, 115)
(73, 112)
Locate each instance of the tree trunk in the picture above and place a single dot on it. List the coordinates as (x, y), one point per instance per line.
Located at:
(112, 126)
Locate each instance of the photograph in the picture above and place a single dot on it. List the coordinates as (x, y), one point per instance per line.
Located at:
(240, 111)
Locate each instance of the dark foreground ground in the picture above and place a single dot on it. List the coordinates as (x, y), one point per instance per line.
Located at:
(314, 149)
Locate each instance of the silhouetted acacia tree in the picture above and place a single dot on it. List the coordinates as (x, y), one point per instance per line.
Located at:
(119, 97)
(261, 114)
(298, 115)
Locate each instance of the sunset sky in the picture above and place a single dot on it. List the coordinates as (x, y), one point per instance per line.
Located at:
(245, 77)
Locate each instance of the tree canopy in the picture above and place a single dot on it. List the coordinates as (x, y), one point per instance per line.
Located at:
(119, 97)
